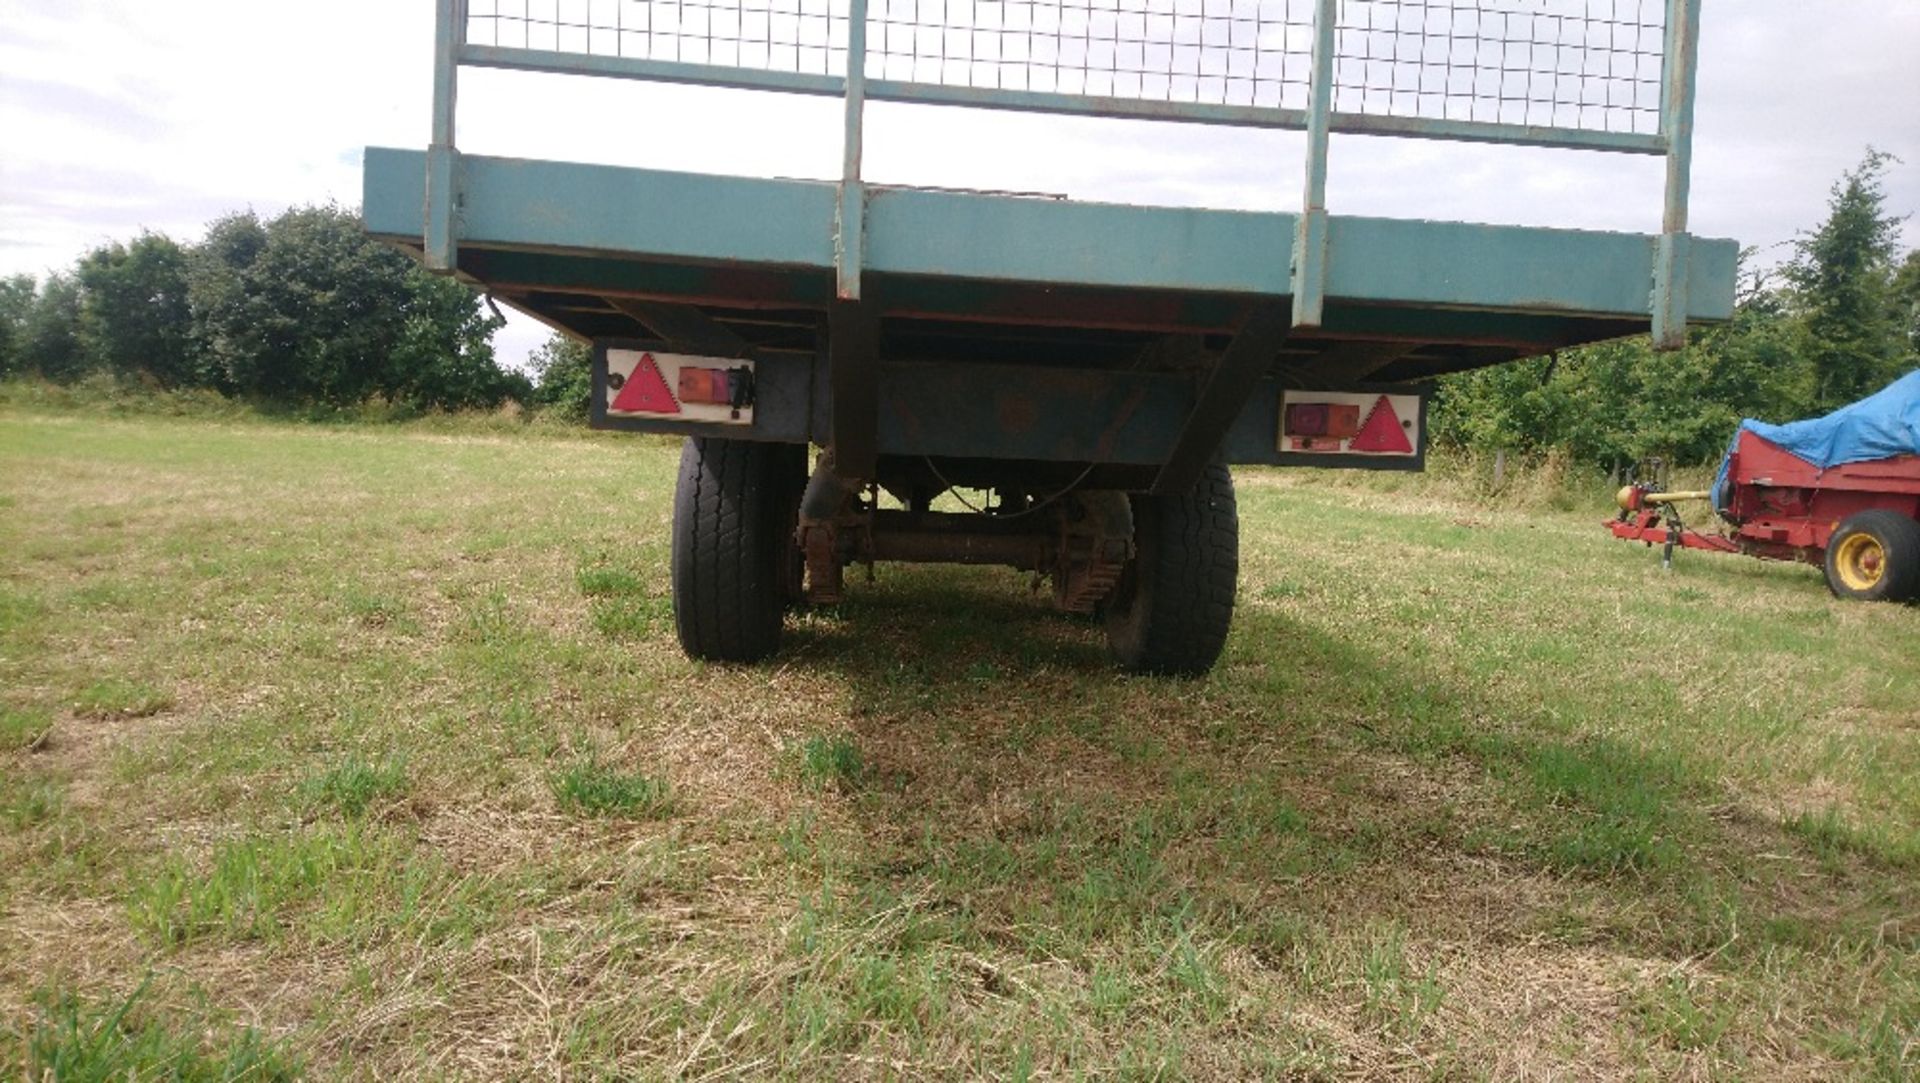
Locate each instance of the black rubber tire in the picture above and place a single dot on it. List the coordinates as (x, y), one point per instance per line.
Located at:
(1171, 609)
(1899, 538)
(733, 521)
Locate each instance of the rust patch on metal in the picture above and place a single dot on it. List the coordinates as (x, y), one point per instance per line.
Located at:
(1017, 414)
(1103, 445)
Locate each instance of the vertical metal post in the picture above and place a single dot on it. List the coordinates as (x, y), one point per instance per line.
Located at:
(443, 162)
(1671, 260)
(853, 326)
(850, 233)
(1310, 240)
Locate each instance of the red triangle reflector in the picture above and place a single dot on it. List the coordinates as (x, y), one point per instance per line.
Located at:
(1382, 431)
(645, 391)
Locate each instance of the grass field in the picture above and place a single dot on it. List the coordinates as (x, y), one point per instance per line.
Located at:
(367, 751)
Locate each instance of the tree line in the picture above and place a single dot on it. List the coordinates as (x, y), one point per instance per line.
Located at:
(301, 308)
(1836, 322)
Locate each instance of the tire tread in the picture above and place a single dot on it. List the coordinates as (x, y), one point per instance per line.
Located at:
(727, 540)
(1193, 542)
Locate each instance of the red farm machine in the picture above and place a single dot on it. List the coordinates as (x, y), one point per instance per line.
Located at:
(1841, 492)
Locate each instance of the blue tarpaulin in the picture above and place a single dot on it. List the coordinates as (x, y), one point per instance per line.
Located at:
(1881, 426)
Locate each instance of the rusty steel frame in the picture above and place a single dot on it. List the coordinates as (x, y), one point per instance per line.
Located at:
(1224, 394)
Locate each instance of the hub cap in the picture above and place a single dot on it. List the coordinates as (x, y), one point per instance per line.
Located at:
(1861, 561)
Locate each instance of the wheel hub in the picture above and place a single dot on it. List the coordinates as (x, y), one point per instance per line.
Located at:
(1860, 561)
(1095, 544)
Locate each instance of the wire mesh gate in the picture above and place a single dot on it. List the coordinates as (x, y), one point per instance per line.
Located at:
(1599, 74)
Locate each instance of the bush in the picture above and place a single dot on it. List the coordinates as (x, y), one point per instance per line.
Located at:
(563, 377)
(298, 310)
(1843, 321)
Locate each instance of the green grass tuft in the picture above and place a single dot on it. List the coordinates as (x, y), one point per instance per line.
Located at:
(372, 610)
(1831, 837)
(630, 616)
(24, 728)
(831, 760)
(354, 784)
(115, 698)
(1682, 1013)
(1397, 994)
(602, 582)
(590, 788)
(18, 610)
(76, 1040)
(1620, 806)
(619, 602)
(26, 801)
(255, 888)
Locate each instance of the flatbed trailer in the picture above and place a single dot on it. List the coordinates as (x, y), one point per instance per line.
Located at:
(1095, 367)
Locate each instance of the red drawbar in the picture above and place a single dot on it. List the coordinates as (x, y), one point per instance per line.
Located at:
(645, 392)
(1382, 431)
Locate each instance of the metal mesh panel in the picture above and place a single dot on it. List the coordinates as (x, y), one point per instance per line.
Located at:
(779, 35)
(1218, 52)
(1587, 64)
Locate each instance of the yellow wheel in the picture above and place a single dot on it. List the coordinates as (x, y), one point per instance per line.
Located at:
(1875, 556)
(1860, 561)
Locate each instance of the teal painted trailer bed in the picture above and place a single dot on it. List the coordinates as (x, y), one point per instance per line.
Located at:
(566, 241)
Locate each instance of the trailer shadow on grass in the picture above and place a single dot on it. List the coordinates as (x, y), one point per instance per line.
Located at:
(1304, 797)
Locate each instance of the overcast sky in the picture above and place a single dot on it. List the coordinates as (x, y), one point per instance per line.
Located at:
(122, 116)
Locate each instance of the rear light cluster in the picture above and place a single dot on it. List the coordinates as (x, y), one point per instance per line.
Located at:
(707, 386)
(1332, 420)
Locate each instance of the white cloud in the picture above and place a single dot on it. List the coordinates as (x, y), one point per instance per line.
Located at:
(116, 117)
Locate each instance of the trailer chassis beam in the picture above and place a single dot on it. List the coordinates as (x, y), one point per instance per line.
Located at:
(853, 375)
(1223, 396)
(683, 327)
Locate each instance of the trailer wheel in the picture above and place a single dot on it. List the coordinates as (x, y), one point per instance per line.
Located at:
(1170, 611)
(733, 550)
(1875, 557)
